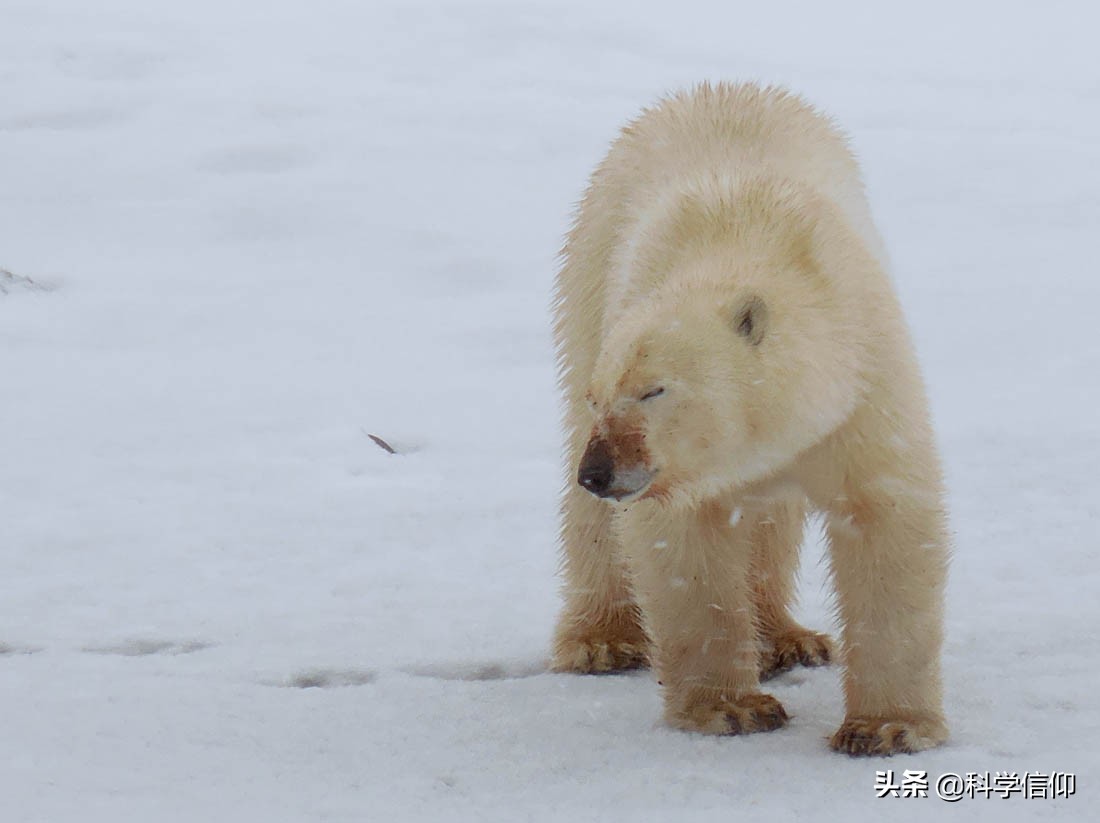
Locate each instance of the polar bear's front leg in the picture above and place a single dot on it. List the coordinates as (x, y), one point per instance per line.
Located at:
(889, 558)
(599, 629)
(692, 579)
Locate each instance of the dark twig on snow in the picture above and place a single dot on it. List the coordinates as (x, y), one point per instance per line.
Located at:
(378, 441)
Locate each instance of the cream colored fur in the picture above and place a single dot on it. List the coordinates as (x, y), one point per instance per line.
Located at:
(729, 337)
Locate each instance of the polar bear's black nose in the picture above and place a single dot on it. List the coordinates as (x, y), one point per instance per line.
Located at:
(597, 468)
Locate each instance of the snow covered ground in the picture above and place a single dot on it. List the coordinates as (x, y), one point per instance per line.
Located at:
(261, 231)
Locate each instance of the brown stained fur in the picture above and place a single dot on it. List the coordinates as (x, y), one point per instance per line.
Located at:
(795, 648)
(609, 646)
(723, 714)
(884, 737)
(626, 440)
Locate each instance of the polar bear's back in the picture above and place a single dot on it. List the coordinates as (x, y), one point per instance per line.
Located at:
(733, 130)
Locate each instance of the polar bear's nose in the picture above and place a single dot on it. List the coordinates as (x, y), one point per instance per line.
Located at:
(597, 468)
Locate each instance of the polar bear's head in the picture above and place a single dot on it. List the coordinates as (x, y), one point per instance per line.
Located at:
(712, 388)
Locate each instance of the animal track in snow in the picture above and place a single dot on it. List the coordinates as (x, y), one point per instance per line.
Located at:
(7, 649)
(143, 647)
(475, 671)
(75, 119)
(327, 679)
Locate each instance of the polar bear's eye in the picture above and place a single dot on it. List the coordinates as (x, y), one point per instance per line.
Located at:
(649, 395)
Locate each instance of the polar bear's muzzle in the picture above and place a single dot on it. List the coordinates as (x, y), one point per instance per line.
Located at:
(611, 469)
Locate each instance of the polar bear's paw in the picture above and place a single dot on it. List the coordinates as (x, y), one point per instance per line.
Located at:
(597, 657)
(717, 714)
(862, 736)
(599, 648)
(800, 647)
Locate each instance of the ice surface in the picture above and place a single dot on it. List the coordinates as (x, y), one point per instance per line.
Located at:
(268, 229)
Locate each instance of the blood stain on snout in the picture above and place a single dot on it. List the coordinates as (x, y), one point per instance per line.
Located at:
(626, 442)
(616, 461)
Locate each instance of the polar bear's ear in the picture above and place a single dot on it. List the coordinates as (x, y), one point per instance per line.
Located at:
(750, 318)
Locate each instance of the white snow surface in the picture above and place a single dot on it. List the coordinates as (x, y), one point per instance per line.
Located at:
(263, 231)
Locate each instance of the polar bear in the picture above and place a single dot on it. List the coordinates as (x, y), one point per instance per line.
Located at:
(732, 356)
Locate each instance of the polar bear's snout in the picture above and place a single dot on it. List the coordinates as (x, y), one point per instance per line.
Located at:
(605, 474)
(597, 468)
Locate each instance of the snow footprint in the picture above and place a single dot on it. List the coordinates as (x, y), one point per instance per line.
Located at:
(8, 649)
(479, 671)
(142, 647)
(326, 679)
